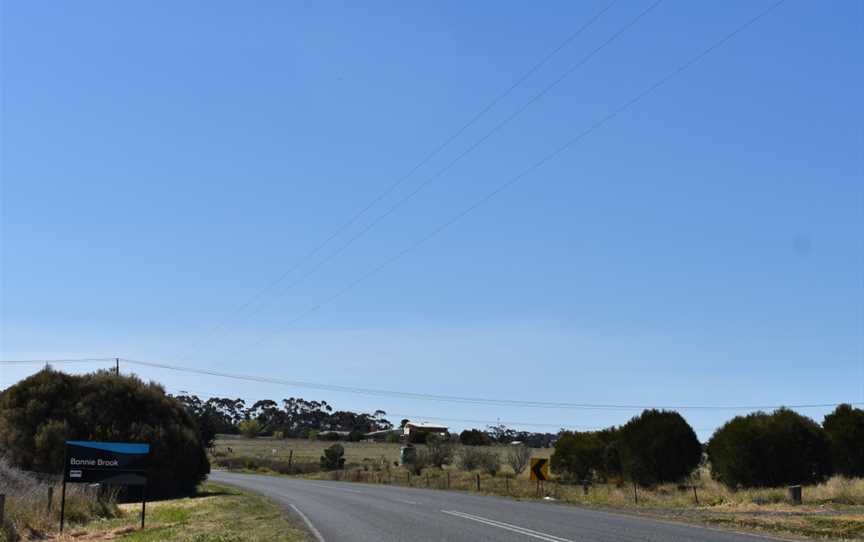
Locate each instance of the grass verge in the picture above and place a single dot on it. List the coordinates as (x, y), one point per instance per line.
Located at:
(219, 513)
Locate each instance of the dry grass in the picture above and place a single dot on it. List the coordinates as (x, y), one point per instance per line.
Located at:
(309, 451)
(217, 514)
(27, 512)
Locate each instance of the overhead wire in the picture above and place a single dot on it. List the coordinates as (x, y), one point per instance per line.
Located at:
(425, 160)
(461, 399)
(531, 168)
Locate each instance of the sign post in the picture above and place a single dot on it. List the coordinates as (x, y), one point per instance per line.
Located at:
(539, 472)
(109, 463)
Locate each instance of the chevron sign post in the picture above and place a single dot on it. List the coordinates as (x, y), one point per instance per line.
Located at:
(539, 469)
(539, 472)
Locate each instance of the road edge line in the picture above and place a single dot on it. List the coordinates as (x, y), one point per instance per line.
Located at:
(315, 532)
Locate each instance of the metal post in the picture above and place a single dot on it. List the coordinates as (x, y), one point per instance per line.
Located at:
(290, 459)
(2, 509)
(63, 502)
(695, 495)
(793, 494)
(143, 505)
(478, 481)
(50, 497)
(63, 496)
(117, 366)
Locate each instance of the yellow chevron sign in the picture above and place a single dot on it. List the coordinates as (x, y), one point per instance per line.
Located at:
(539, 468)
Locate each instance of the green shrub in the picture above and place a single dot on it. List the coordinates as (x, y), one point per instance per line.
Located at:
(577, 455)
(250, 428)
(42, 411)
(392, 437)
(657, 447)
(438, 451)
(333, 458)
(845, 431)
(474, 437)
(473, 458)
(491, 463)
(766, 450)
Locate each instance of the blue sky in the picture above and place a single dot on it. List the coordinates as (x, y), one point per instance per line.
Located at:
(163, 162)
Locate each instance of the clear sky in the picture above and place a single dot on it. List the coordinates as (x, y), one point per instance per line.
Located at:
(162, 162)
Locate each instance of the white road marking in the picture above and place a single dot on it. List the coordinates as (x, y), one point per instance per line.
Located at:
(408, 502)
(507, 526)
(315, 532)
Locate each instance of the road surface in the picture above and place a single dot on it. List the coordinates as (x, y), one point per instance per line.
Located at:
(344, 511)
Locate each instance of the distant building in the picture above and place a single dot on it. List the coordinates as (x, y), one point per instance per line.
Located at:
(412, 428)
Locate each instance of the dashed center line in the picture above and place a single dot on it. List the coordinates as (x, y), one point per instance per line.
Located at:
(507, 526)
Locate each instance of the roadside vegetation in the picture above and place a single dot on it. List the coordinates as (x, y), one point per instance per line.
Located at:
(653, 464)
(41, 412)
(29, 512)
(216, 513)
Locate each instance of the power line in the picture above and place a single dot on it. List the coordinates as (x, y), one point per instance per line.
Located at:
(535, 166)
(54, 361)
(462, 399)
(426, 159)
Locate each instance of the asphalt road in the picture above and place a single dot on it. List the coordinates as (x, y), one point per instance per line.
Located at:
(344, 511)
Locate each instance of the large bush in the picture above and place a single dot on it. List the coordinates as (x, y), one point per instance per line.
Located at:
(658, 446)
(41, 412)
(845, 430)
(577, 455)
(760, 450)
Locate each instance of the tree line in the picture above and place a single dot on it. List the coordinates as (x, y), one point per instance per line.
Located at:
(41, 412)
(296, 417)
(757, 450)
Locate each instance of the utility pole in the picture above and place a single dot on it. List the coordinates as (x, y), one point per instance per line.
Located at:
(117, 366)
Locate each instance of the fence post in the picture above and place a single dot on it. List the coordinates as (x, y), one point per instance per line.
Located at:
(448, 479)
(635, 494)
(695, 495)
(793, 493)
(50, 497)
(290, 459)
(2, 509)
(409, 477)
(478, 481)
(507, 483)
